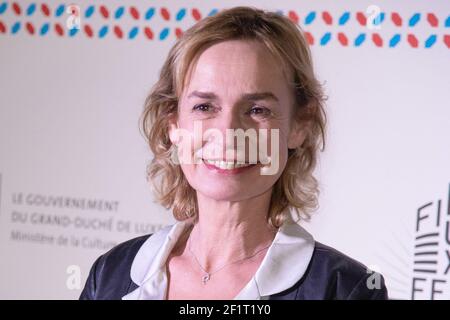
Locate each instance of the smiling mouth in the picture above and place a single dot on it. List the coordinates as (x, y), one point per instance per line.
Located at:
(228, 165)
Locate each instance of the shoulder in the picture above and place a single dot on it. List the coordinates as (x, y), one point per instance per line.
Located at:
(128, 249)
(109, 276)
(332, 274)
(332, 260)
(342, 277)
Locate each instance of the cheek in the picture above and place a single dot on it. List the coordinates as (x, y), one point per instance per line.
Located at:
(277, 145)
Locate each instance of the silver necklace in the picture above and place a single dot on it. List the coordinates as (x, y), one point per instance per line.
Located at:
(207, 275)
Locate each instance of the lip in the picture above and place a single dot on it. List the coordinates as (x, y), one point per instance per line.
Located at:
(225, 171)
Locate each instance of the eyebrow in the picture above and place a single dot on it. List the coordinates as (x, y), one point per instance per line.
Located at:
(255, 96)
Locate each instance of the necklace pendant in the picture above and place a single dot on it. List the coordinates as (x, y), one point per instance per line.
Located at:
(205, 278)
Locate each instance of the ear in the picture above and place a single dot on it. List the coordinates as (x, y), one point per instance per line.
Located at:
(299, 132)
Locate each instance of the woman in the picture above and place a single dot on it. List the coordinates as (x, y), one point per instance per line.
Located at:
(236, 236)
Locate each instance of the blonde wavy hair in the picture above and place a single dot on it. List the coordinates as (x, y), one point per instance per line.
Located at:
(296, 189)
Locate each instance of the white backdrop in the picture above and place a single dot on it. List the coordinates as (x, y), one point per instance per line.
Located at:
(72, 161)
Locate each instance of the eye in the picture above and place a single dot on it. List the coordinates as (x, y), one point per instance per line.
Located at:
(203, 107)
(259, 111)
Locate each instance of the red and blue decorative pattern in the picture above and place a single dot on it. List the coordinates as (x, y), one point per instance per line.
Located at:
(130, 22)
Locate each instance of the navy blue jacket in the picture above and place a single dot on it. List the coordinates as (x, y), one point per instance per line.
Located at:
(330, 275)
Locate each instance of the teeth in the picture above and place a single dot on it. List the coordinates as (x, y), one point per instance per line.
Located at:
(226, 165)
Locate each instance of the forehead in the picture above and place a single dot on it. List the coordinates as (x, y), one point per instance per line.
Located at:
(239, 64)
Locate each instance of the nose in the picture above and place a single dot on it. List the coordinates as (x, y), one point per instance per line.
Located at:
(230, 144)
(228, 118)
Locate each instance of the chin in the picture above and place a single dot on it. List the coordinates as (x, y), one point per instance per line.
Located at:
(224, 194)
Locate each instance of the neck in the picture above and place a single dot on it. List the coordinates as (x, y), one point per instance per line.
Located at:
(228, 231)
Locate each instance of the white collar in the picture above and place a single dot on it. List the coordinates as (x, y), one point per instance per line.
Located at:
(283, 265)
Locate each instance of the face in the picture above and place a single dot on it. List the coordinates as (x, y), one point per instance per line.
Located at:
(235, 85)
